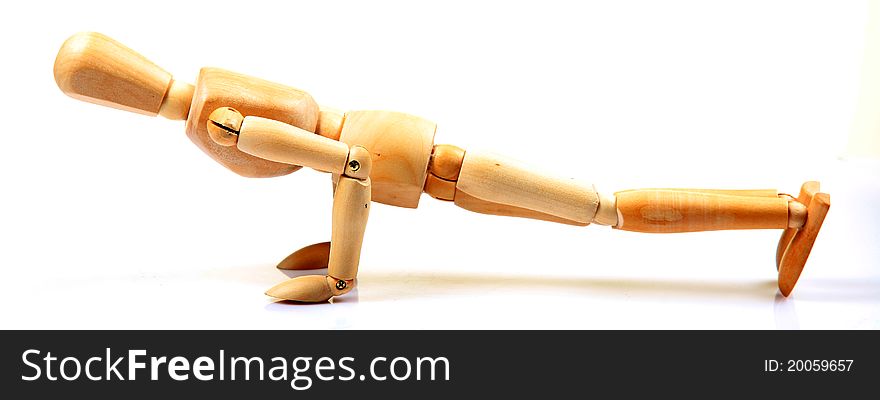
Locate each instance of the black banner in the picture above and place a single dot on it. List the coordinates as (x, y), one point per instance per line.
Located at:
(434, 363)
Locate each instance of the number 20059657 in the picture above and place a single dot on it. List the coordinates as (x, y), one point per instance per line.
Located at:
(808, 365)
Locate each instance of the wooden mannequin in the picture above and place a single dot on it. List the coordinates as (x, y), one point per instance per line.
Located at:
(258, 128)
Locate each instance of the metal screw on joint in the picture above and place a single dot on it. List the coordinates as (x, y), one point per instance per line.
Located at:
(354, 165)
(340, 285)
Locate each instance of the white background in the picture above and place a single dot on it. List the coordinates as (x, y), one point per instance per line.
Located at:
(115, 220)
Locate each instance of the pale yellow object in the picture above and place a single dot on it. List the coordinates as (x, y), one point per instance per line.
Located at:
(481, 206)
(258, 128)
(283, 143)
(498, 179)
(95, 68)
(330, 122)
(668, 211)
(315, 256)
(307, 288)
(400, 146)
(351, 208)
